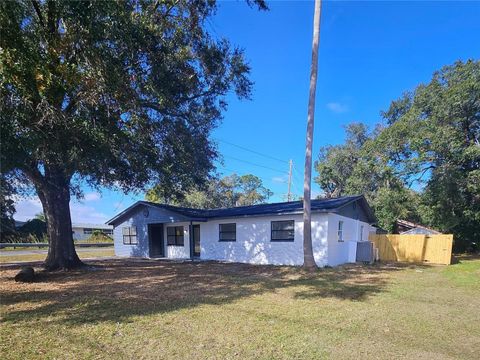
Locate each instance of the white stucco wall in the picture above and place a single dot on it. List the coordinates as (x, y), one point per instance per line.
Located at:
(254, 245)
(155, 216)
(344, 252)
(178, 252)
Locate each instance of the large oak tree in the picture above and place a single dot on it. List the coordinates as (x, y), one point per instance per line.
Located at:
(423, 164)
(112, 93)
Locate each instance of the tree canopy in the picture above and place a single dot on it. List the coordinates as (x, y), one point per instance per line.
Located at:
(229, 191)
(423, 164)
(111, 93)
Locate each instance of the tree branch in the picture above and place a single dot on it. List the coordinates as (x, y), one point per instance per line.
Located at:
(32, 172)
(51, 18)
(421, 175)
(36, 6)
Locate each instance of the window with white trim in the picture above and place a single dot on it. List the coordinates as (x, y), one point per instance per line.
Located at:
(361, 232)
(175, 236)
(227, 232)
(283, 230)
(130, 235)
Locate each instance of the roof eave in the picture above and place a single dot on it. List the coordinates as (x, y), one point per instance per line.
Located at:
(115, 219)
(268, 214)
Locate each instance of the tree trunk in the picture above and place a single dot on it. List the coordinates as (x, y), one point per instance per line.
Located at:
(55, 198)
(308, 259)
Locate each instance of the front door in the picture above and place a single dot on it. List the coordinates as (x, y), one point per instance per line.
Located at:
(196, 240)
(155, 233)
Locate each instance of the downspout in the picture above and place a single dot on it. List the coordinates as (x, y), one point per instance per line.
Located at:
(190, 236)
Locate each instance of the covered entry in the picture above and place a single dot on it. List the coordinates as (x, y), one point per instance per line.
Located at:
(155, 239)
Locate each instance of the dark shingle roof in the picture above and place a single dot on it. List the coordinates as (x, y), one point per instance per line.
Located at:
(320, 205)
(282, 208)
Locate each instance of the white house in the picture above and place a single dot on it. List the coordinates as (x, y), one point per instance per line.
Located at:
(81, 231)
(258, 234)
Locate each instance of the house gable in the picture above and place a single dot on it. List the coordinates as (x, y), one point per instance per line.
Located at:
(160, 213)
(356, 210)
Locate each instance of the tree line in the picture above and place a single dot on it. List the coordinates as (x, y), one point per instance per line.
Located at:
(218, 192)
(420, 164)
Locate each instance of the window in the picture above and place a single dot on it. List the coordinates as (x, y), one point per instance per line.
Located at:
(130, 235)
(107, 231)
(87, 231)
(227, 232)
(175, 235)
(340, 231)
(361, 233)
(283, 230)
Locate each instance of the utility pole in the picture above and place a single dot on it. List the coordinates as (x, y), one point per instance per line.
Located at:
(289, 194)
(308, 259)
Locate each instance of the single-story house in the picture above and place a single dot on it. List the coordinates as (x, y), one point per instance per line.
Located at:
(409, 227)
(82, 231)
(257, 234)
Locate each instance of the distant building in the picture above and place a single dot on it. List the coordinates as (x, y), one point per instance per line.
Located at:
(82, 231)
(408, 227)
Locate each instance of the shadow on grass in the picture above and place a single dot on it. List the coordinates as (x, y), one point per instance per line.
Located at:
(119, 289)
(459, 258)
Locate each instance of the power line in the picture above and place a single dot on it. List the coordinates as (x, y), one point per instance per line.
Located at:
(297, 188)
(236, 171)
(295, 170)
(253, 151)
(262, 178)
(254, 164)
(299, 185)
(295, 173)
(120, 203)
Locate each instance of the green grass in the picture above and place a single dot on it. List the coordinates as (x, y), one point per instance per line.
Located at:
(466, 273)
(159, 309)
(99, 252)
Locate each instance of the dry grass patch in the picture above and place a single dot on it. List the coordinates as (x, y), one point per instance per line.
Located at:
(160, 309)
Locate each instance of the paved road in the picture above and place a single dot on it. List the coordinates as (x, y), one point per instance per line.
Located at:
(44, 251)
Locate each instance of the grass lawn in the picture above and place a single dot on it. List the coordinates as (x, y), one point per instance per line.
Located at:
(159, 309)
(12, 257)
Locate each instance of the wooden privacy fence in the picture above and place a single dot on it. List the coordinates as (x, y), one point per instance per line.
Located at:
(434, 249)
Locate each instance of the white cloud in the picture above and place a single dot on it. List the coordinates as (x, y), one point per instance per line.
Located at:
(279, 179)
(86, 214)
(337, 107)
(27, 208)
(92, 196)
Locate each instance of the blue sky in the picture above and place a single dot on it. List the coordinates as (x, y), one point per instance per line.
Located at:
(370, 53)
